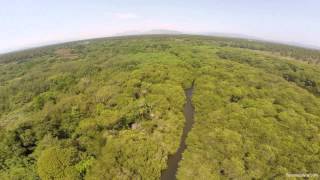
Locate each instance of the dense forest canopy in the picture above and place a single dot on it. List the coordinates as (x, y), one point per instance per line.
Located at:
(113, 109)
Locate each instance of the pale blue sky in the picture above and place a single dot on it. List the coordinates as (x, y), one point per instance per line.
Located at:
(25, 23)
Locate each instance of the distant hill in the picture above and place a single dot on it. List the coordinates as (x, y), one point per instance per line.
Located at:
(150, 32)
(232, 35)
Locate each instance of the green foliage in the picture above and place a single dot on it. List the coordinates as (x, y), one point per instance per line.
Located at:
(129, 156)
(58, 163)
(113, 109)
(304, 75)
(250, 124)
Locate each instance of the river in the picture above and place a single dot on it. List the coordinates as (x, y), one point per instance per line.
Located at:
(173, 160)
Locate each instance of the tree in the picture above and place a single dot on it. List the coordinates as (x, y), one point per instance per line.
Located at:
(58, 163)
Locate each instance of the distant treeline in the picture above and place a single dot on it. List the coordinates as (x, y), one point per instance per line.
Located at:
(304, 54)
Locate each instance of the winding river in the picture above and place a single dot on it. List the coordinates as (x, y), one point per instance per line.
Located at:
(173, 160)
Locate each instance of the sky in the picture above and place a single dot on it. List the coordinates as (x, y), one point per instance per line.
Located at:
(27, 23)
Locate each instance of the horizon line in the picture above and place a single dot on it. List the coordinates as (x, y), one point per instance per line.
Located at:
(177, 33)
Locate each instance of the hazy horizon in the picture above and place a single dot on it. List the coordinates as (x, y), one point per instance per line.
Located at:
(35, 23)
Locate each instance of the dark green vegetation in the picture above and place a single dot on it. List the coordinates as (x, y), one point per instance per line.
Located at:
(113, 108)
